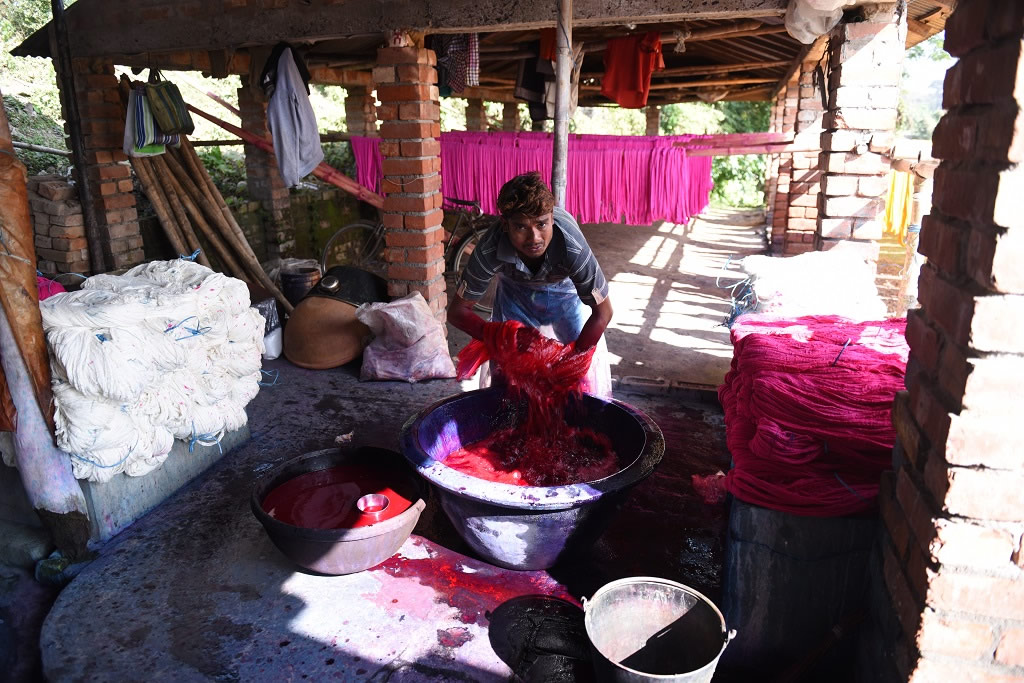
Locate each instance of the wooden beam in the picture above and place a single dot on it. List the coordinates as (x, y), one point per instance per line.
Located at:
(563, 76)
(739, 140)
(100, 29)
(707, 69)
(717, 82)
(751, 149)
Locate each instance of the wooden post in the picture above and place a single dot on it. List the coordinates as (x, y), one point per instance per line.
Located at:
(563, 73)
(95, 231)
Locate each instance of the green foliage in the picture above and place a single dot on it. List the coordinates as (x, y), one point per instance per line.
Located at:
(739, 180)
(920, 104)
(32, 126)
(226, 166)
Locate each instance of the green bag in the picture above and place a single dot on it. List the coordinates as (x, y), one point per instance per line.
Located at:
(169, 110)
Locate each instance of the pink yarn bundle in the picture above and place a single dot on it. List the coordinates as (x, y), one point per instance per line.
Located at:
(609, 177)
(807, 410)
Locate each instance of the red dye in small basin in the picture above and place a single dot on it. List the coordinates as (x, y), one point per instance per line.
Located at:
(326, 499)
(544, 450)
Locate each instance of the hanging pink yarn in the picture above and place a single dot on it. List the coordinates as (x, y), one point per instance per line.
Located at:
(807, 412)
(609, 177)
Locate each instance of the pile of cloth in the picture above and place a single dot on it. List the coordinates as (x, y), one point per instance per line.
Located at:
(807, 405)
(169, 350)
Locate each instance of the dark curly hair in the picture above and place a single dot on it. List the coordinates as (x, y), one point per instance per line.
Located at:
(526, 194)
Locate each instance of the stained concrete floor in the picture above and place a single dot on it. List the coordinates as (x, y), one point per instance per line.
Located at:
(196, 591)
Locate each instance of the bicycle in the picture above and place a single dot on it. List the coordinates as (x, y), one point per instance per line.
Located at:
(362, 244)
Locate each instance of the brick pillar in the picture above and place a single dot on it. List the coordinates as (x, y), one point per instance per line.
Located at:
(653, 120)
(410, 126)
(510, 116)
(360, 111)
(776, 205)
(263, 179)
(805, 183)
(866, 63)
(107, 171)
(60, 241)
(476, 117)
(948, 598)
(790, 101)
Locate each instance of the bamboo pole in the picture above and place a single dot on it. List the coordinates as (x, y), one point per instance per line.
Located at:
(563, 73)
(323, 171)
(177, 205)
(240, 241)
(171, 228)
(166, 175)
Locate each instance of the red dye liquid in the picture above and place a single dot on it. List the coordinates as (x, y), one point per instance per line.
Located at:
(326, 499)
(544, 450)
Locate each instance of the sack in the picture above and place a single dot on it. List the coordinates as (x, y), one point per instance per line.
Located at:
(168, 107)
(409, 341)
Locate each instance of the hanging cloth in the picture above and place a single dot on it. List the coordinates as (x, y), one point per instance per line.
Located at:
(531, 84)
(268, 77)
(458, 61)
(574, 84)
(628, 65)
(292, 122)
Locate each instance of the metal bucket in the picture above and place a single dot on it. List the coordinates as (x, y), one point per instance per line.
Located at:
(295, 284)
(649, 629)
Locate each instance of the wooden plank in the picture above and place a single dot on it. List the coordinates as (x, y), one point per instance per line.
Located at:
(751, 149)
(102, 28)
(739, 139)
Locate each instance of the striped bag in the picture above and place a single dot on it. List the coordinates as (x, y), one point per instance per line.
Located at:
(168, 107)
(147, 131)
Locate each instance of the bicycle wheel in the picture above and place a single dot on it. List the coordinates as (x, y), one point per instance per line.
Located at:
(462, 254)
(360, 245)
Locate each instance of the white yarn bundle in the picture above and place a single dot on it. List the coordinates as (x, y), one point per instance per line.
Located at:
(168, 350)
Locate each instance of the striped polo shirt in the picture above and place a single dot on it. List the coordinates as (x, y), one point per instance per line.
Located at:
(567, 256)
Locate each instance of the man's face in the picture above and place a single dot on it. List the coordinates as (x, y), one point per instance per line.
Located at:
(530, 235)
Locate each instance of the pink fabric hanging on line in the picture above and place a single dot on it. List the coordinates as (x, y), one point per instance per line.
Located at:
(610, 178)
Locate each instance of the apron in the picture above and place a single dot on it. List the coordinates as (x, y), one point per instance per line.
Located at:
(556, 310)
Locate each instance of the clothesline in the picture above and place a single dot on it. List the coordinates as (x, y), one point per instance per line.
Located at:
(639, 179)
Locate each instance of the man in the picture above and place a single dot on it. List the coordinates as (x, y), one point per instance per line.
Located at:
(546, 276)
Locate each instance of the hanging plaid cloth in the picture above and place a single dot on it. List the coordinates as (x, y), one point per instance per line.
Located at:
(473, 60)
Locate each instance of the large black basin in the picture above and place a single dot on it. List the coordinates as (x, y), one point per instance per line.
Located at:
(527, 527)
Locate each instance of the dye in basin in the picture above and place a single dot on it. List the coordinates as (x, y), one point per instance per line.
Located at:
(338, 512)
(527, 527)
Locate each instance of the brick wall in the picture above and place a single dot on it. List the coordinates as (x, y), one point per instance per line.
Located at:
(107, 173)
(360, 111)
(61, 246)
(776, 203)
(263, 179)
(865, 60)
(805, 180)
(409, 131)
(949, 586)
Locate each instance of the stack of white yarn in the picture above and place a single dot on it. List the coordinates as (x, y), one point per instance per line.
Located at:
(168, 350)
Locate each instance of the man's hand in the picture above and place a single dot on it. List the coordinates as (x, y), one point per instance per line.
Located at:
(462, 316)
(600, 316)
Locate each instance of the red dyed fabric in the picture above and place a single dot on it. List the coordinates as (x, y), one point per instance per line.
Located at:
(807, 411)
(628, 65)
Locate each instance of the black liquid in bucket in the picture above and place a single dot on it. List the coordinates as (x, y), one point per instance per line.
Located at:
(652, 627)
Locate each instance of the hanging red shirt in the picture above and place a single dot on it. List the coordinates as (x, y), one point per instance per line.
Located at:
(628, 65)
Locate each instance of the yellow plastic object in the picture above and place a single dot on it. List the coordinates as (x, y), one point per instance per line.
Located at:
(898, 204)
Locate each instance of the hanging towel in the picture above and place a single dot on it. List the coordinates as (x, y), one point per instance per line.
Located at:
(128, 144)
(292, 122)
(628, 65)
(458, 61)
(473, 60)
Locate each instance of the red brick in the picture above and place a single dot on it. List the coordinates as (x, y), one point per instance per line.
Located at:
(988, 494)
(906, 427)
(992, 384)
(420, 148)
(390, 148)
(387, 111)
(417, 273)
(56, 190)
(117, 201)
(992, 441)
(808, 224)
(1010, 651)
(395, 202)
(952, 373)
(66, 231)
(924, 340)
(69, 244)
(905, 604)
(122, 230)
(397, 289)
(402, 166)
(405, 55)
(416, 73)
(413, 238)
(384, 74)
(994, 134)
(419, 111)
(425, 255)
(989, 596)
(428, 220)
(393, 220)
(943, 243)
(985, 76)
(916, 508)
(930, 413)
(950, 636)
(125, 186)
(43, 242)
(408, 130)
(387, 92)
(972, 545)
(394, 255)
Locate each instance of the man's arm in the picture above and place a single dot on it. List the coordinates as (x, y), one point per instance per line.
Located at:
(461, 315)
(600, 316)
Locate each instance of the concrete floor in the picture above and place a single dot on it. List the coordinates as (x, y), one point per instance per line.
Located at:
(196, 591)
